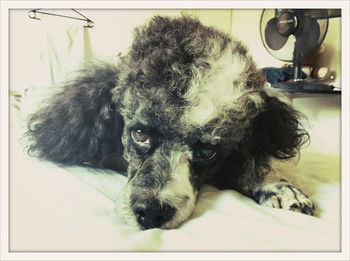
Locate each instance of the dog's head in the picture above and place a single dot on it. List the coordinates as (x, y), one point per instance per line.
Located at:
(185, 91)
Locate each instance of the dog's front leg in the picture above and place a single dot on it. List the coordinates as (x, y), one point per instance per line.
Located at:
(279, 193)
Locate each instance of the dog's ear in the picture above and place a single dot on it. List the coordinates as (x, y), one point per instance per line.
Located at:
(80, 123)
(275, 131)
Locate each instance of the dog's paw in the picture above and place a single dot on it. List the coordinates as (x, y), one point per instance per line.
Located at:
(283, 195)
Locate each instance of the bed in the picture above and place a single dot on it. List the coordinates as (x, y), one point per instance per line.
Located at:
(59, 208)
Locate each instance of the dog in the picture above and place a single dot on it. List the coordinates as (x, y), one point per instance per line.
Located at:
(184, 106)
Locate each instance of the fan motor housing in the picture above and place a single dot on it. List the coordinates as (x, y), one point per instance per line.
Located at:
(287, 23)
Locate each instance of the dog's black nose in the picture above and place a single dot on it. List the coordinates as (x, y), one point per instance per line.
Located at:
(153, 214)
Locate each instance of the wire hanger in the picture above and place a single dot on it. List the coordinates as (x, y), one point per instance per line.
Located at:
(89, 23)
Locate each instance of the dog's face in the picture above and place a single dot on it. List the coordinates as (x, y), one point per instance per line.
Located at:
(179, 103)
(168, 160)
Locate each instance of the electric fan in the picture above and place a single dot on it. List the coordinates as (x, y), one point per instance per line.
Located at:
(290, 35)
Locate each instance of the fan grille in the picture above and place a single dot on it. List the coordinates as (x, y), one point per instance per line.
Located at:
(286, 52)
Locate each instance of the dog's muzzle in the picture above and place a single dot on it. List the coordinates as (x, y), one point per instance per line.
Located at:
(160, 193)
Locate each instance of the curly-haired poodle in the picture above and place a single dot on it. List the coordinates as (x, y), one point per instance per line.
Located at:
(186, 105)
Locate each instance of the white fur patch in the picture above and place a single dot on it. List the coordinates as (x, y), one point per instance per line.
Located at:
(212, 90)
(179, 192)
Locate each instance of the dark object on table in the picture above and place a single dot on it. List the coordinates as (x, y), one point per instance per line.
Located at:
(284, 74)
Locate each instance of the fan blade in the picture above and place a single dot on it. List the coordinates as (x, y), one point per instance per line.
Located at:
(307, 36)
(273, 38)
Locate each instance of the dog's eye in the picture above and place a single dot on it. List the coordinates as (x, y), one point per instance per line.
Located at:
(140, 136)
(207, 154)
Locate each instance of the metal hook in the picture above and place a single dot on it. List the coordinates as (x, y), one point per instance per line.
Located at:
(89, 23)
(32, 14)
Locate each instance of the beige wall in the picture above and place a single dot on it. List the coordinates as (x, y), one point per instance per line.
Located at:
(246, 27)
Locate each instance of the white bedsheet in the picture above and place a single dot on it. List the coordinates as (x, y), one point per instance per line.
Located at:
(55, 208)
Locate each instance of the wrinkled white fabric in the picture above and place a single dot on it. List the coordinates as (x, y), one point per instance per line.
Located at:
(55, 208)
